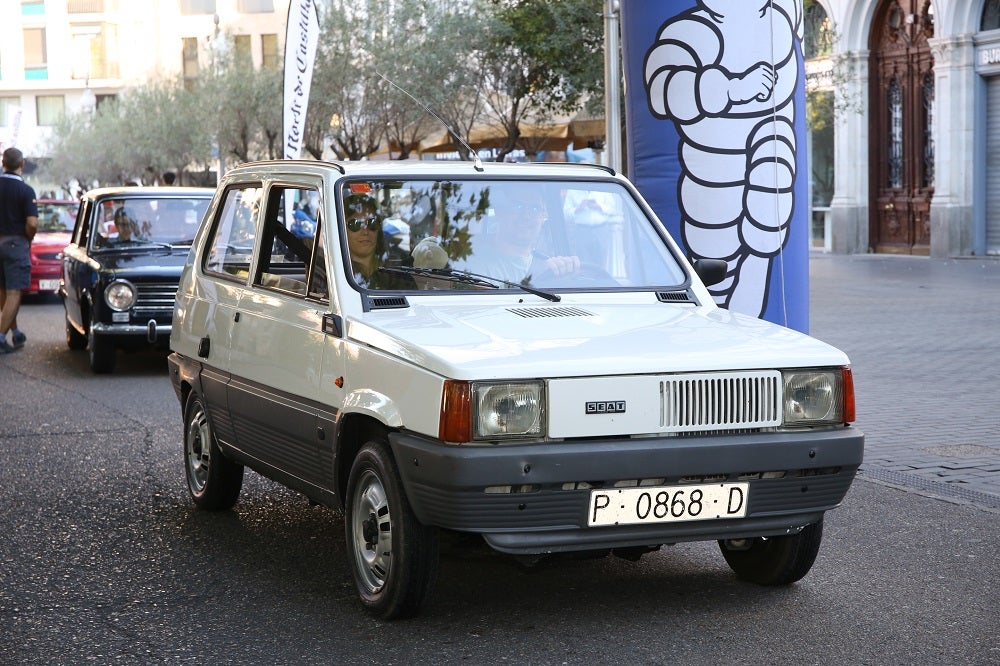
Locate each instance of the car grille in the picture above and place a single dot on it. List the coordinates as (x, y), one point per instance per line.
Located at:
(713, 402)
(154, 297)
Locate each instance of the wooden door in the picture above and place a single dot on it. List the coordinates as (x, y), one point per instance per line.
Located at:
(901, 144)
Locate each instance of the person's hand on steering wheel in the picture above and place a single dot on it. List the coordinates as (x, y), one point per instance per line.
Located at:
(560, 265)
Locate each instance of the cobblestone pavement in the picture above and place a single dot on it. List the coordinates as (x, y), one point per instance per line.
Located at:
(923, 336)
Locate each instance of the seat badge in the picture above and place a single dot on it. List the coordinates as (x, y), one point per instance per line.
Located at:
(605, 407)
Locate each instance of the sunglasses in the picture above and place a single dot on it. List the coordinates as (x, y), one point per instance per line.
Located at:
(370, 223)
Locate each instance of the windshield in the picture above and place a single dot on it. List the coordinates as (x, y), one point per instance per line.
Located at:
(430, 235)
(56, 216)
(127, 221)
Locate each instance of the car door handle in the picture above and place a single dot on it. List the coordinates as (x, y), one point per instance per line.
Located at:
(204, 346)
(236, 317)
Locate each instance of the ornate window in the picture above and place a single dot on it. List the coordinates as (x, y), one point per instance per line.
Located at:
(895, 134)
(817, 31)
(928, 94)
(991, 15)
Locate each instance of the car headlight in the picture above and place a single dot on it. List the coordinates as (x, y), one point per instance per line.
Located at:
(488, 411)
(119, 295)
(815, 396)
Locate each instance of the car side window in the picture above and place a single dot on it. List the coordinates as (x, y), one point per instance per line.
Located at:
(288, 237)
(233, 237)
(82, 230)
(318, 284)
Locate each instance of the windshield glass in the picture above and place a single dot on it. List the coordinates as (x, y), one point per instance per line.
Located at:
(544, 234)
(56, 216)
(125, 221)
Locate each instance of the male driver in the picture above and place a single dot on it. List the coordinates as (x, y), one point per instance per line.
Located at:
(18, 224)
(510, 253)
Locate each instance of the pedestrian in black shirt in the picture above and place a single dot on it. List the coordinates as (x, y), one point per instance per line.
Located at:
(18, 224)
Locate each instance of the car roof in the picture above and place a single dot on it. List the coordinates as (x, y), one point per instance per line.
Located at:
(126, 191)
(396, 168)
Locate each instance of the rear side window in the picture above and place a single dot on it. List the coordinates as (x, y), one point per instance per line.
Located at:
(234, 234)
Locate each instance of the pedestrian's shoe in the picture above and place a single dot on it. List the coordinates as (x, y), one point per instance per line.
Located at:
(5, 347)
(19, 339)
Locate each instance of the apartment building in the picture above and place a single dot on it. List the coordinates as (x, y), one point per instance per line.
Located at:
(911, 165)
(66, 56)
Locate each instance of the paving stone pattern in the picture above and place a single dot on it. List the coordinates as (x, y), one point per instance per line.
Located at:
(923, 336)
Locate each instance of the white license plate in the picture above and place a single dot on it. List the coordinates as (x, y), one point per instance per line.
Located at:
(667, 504)
(48, 285)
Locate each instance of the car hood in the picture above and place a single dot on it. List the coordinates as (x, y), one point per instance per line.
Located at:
(638, 336)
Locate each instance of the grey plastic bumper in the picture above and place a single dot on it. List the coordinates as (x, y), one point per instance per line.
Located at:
(446, 485)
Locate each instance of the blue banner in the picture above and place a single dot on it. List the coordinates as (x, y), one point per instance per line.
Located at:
(716, 141)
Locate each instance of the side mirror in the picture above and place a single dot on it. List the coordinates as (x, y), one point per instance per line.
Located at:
(711, 271)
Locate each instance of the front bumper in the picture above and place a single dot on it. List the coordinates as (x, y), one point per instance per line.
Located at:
(546, 509)
(130, 329)
(153, 332)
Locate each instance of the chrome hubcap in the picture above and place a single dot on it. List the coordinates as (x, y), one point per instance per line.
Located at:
(371, 529)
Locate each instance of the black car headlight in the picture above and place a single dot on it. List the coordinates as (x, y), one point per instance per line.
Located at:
(120, 295)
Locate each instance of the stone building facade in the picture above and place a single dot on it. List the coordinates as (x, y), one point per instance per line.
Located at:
(913, 87)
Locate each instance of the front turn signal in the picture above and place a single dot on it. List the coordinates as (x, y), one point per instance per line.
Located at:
(455, 424)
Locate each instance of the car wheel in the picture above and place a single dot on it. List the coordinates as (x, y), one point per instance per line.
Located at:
(75, 340)
(102, 352)
(774, 560)
(394, 558)
(213, 480)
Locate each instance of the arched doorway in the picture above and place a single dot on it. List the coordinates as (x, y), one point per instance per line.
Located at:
(902, 147)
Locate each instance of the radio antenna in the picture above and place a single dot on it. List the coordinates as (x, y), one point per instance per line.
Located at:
(476, 163)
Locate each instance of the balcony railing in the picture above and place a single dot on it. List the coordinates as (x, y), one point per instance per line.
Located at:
(85, 6)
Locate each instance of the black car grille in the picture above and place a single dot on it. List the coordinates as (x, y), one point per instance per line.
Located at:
(154, 297)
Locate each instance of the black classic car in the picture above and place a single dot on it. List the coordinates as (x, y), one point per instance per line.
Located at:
(121, 268)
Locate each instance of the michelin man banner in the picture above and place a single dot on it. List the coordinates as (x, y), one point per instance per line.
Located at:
(715, 108)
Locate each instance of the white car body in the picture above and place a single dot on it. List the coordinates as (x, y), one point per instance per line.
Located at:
(299, 367)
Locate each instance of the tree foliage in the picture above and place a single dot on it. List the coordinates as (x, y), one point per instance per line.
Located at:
(543, 61)
(473, 62)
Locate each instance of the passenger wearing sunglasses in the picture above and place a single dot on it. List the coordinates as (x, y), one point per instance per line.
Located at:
(364, 238)
(367, 246)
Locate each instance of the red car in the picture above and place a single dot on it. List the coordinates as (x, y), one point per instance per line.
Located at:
(55, 225)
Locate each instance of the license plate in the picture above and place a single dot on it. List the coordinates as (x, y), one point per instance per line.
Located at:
(48, 285)
(667, 504)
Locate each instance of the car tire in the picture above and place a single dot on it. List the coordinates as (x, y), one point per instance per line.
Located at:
(213, 480)
(102, 353)
(780, 560)
(75, 340)
(394, 558)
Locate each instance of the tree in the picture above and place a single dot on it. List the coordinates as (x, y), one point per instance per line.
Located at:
(542, 60)
(344, 106)
(426, 52)
(166, 125)
(469, 61)
(141, 134)
(241, 107)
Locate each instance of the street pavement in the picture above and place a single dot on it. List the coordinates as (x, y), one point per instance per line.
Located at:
(103, 558)
(923, 336)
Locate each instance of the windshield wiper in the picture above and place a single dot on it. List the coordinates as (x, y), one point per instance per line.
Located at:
(466, 277)
(142, 241)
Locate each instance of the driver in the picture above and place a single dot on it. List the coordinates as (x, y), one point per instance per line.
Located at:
(510, 254)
